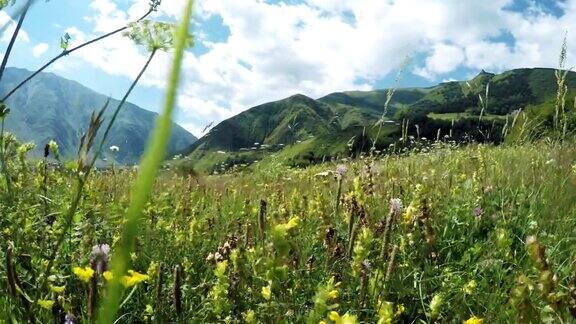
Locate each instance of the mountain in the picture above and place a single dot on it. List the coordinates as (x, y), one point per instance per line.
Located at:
(50, 107)
(304, 130)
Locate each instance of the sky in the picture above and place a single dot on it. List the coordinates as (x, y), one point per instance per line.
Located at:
(249, 52)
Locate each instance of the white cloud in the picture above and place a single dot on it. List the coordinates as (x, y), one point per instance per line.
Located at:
(40, 49)
(444, 59)
(321, 46)
(8, 26)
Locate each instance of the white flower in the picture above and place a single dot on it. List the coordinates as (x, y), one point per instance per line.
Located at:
(396, 206)
(341, 169)
(100, 255)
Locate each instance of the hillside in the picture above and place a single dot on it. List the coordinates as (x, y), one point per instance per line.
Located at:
(340, 124)
(50, 107)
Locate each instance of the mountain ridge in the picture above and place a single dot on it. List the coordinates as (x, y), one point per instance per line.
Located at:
(342, 123)
(50, 107)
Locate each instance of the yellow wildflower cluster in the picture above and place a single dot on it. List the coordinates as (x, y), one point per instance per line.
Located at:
(133, 278)
(46, 304)
(474, 320)
(337, 319)
(84, 274)
(267, 292)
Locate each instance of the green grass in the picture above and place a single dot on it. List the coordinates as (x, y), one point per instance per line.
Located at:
(464, 115)
(474, 263)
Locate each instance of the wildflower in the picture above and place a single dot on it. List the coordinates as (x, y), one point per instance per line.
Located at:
(292, 223)
(341, 170)
(410, 214)
(396, 206)
(99, 257)
(469, 287)
(108, 275)
(385, 312)
(436, 305)
(478, 212)
(400, 309)
(57, 289)
(148, 311)
(53, 146)
(346, 319)
(84, 274)
(133, 278)
(70, 319)
(249, 316)
(333, 294)
(46, 304)
(266, 292)
(474, 320)
(114, 148)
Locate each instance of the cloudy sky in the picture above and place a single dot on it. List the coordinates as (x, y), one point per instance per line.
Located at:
(248, 52)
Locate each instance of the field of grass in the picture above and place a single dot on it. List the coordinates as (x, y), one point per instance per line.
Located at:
(450, 235)
(432, 232)
(464, 115)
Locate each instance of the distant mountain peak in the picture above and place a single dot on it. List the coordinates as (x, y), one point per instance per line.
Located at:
(50, 107)
(300, 98)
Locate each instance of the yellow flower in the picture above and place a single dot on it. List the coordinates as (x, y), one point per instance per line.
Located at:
(333, 294)
(385, 312)
(266, 292)
(400, 309)
(148, 311)
(469, 287)
(249, 316)
(474, 320)
(293, 222)
(108, 275)
(346, 319)
(46, 304)
(133, 278)
(84, 274)
(57, 289)
(410, 214)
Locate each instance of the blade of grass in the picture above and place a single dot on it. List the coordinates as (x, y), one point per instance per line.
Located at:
(155, 153)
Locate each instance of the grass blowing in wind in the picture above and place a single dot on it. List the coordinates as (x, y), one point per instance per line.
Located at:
(149, 167)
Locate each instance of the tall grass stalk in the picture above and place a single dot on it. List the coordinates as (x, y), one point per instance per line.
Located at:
(3, 160)
(82, 174)
(118, 108)
(153, 157)
(560, 116)
(14, 36)
(389, 96)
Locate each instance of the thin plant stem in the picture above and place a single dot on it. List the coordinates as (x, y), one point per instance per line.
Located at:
(13, 39)
(67, 52)
(3, 157)
(122, 102)
(151, 162)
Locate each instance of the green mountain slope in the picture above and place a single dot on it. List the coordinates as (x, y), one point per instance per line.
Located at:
(50, 107)
(304, 130)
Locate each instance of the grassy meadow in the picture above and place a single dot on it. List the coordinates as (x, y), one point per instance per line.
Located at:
(444, 231)
(450, 234)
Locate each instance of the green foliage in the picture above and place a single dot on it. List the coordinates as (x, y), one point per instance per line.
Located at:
(460, 241)
(65, 42)
(6, 3)
(150, 165)
(304, 131)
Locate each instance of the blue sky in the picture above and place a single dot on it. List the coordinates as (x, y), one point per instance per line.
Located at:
(249, 52)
